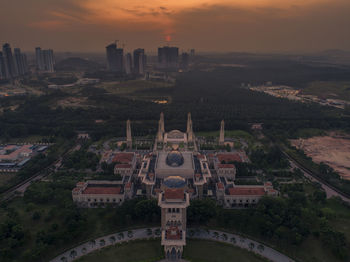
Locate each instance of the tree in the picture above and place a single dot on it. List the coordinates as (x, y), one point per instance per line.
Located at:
(260, 248)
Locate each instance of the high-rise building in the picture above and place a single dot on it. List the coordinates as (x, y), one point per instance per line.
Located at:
(128, 64)
(185, 60)
(20, 62)
(139, 61)
(45, 61)
(2, 67)
(11, 70)
(168, 58)
(115, 57)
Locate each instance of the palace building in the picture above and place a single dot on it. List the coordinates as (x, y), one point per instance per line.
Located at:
(174, 172)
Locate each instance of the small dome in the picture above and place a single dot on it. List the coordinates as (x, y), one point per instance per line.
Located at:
(174, 182)
(174, 159)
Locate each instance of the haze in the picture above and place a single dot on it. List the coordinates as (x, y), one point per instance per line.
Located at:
(211, 25)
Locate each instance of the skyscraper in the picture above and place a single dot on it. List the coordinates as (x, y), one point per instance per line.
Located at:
(168, 58)
(20, 62)
(185, 60)
(139, 61)
(128, 64)
(2, 67)
(115, 58)
(10, 67)
(45, 61)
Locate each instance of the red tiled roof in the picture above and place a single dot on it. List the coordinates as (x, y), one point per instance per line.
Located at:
(80, 184)
(230, 157)
(123, 166)
(226, 166)
(77, 189)
(102, 190)
(246, 191)
(124, 158)
(220, 186)
(174, 193)
(200, 156)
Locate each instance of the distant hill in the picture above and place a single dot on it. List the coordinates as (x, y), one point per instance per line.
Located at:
(77, 64)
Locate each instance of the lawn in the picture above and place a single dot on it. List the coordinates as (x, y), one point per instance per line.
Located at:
(195, 251)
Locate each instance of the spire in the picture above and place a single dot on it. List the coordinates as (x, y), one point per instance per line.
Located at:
(128, 134)
(162, 122)
(189, 123)
(189, 128)
(222, 133)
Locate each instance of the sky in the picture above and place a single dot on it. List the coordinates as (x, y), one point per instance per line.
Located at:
(206, 25)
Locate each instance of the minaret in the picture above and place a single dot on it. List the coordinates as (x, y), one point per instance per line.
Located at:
(128, 134)
(189, 128)
(222, 133)
(161, 128)
(162, 122)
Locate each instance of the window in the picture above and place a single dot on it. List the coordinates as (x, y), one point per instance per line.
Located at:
(89, 199)
(169, 210)
(113, 199)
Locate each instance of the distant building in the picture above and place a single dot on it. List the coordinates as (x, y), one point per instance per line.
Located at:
(11, 70)
(185, 61)
(21, 62)
(168, 58)
(45, 61)
(115, 57)
(2, 67)
(139, 61)
(128, 64)
(192, 53)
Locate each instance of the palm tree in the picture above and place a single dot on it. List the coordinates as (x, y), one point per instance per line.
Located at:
(224, 237)
(261, 248)
(251, 245)
(130, 234)
(83, 250)
(216, 235)
(73, 254)
(233, 240)
(157, 232)
(102, 242)
(92, 243)
(121, 235)
(149, 232)
(112, 239)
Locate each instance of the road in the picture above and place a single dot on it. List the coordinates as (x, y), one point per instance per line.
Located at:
(20, 188)
(330, 190)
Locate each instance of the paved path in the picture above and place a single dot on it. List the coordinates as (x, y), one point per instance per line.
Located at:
(112, 239)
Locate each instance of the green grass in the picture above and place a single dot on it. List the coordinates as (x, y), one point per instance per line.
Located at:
(195, 250)
(335, 90)
(5, 177)
(210, 251)
(135, 251)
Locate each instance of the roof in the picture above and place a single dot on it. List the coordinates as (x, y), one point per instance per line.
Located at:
(246, 191)
(128, 185)
(80, 184)
(77, 189)
(123, 166)
(102, 190)
(220, 186)
(229, 157)
(226, 166)
(124, 158)
(174, 193)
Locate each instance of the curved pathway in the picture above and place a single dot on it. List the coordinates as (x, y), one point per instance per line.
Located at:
(147, 233)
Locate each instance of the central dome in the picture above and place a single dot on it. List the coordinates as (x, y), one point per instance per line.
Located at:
(174, 159)
(174, 182)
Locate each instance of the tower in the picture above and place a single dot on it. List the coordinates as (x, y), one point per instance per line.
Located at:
(173, 203)
(128, 134)
(189, 130)
(222, 133)
(161, 129)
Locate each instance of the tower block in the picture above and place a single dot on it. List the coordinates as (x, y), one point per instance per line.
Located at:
(222, 133)
(161, 128)
(128, 134)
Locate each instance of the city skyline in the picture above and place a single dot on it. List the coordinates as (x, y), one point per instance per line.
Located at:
(213, 25)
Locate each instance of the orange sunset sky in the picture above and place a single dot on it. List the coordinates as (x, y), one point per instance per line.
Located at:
(207, 25)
